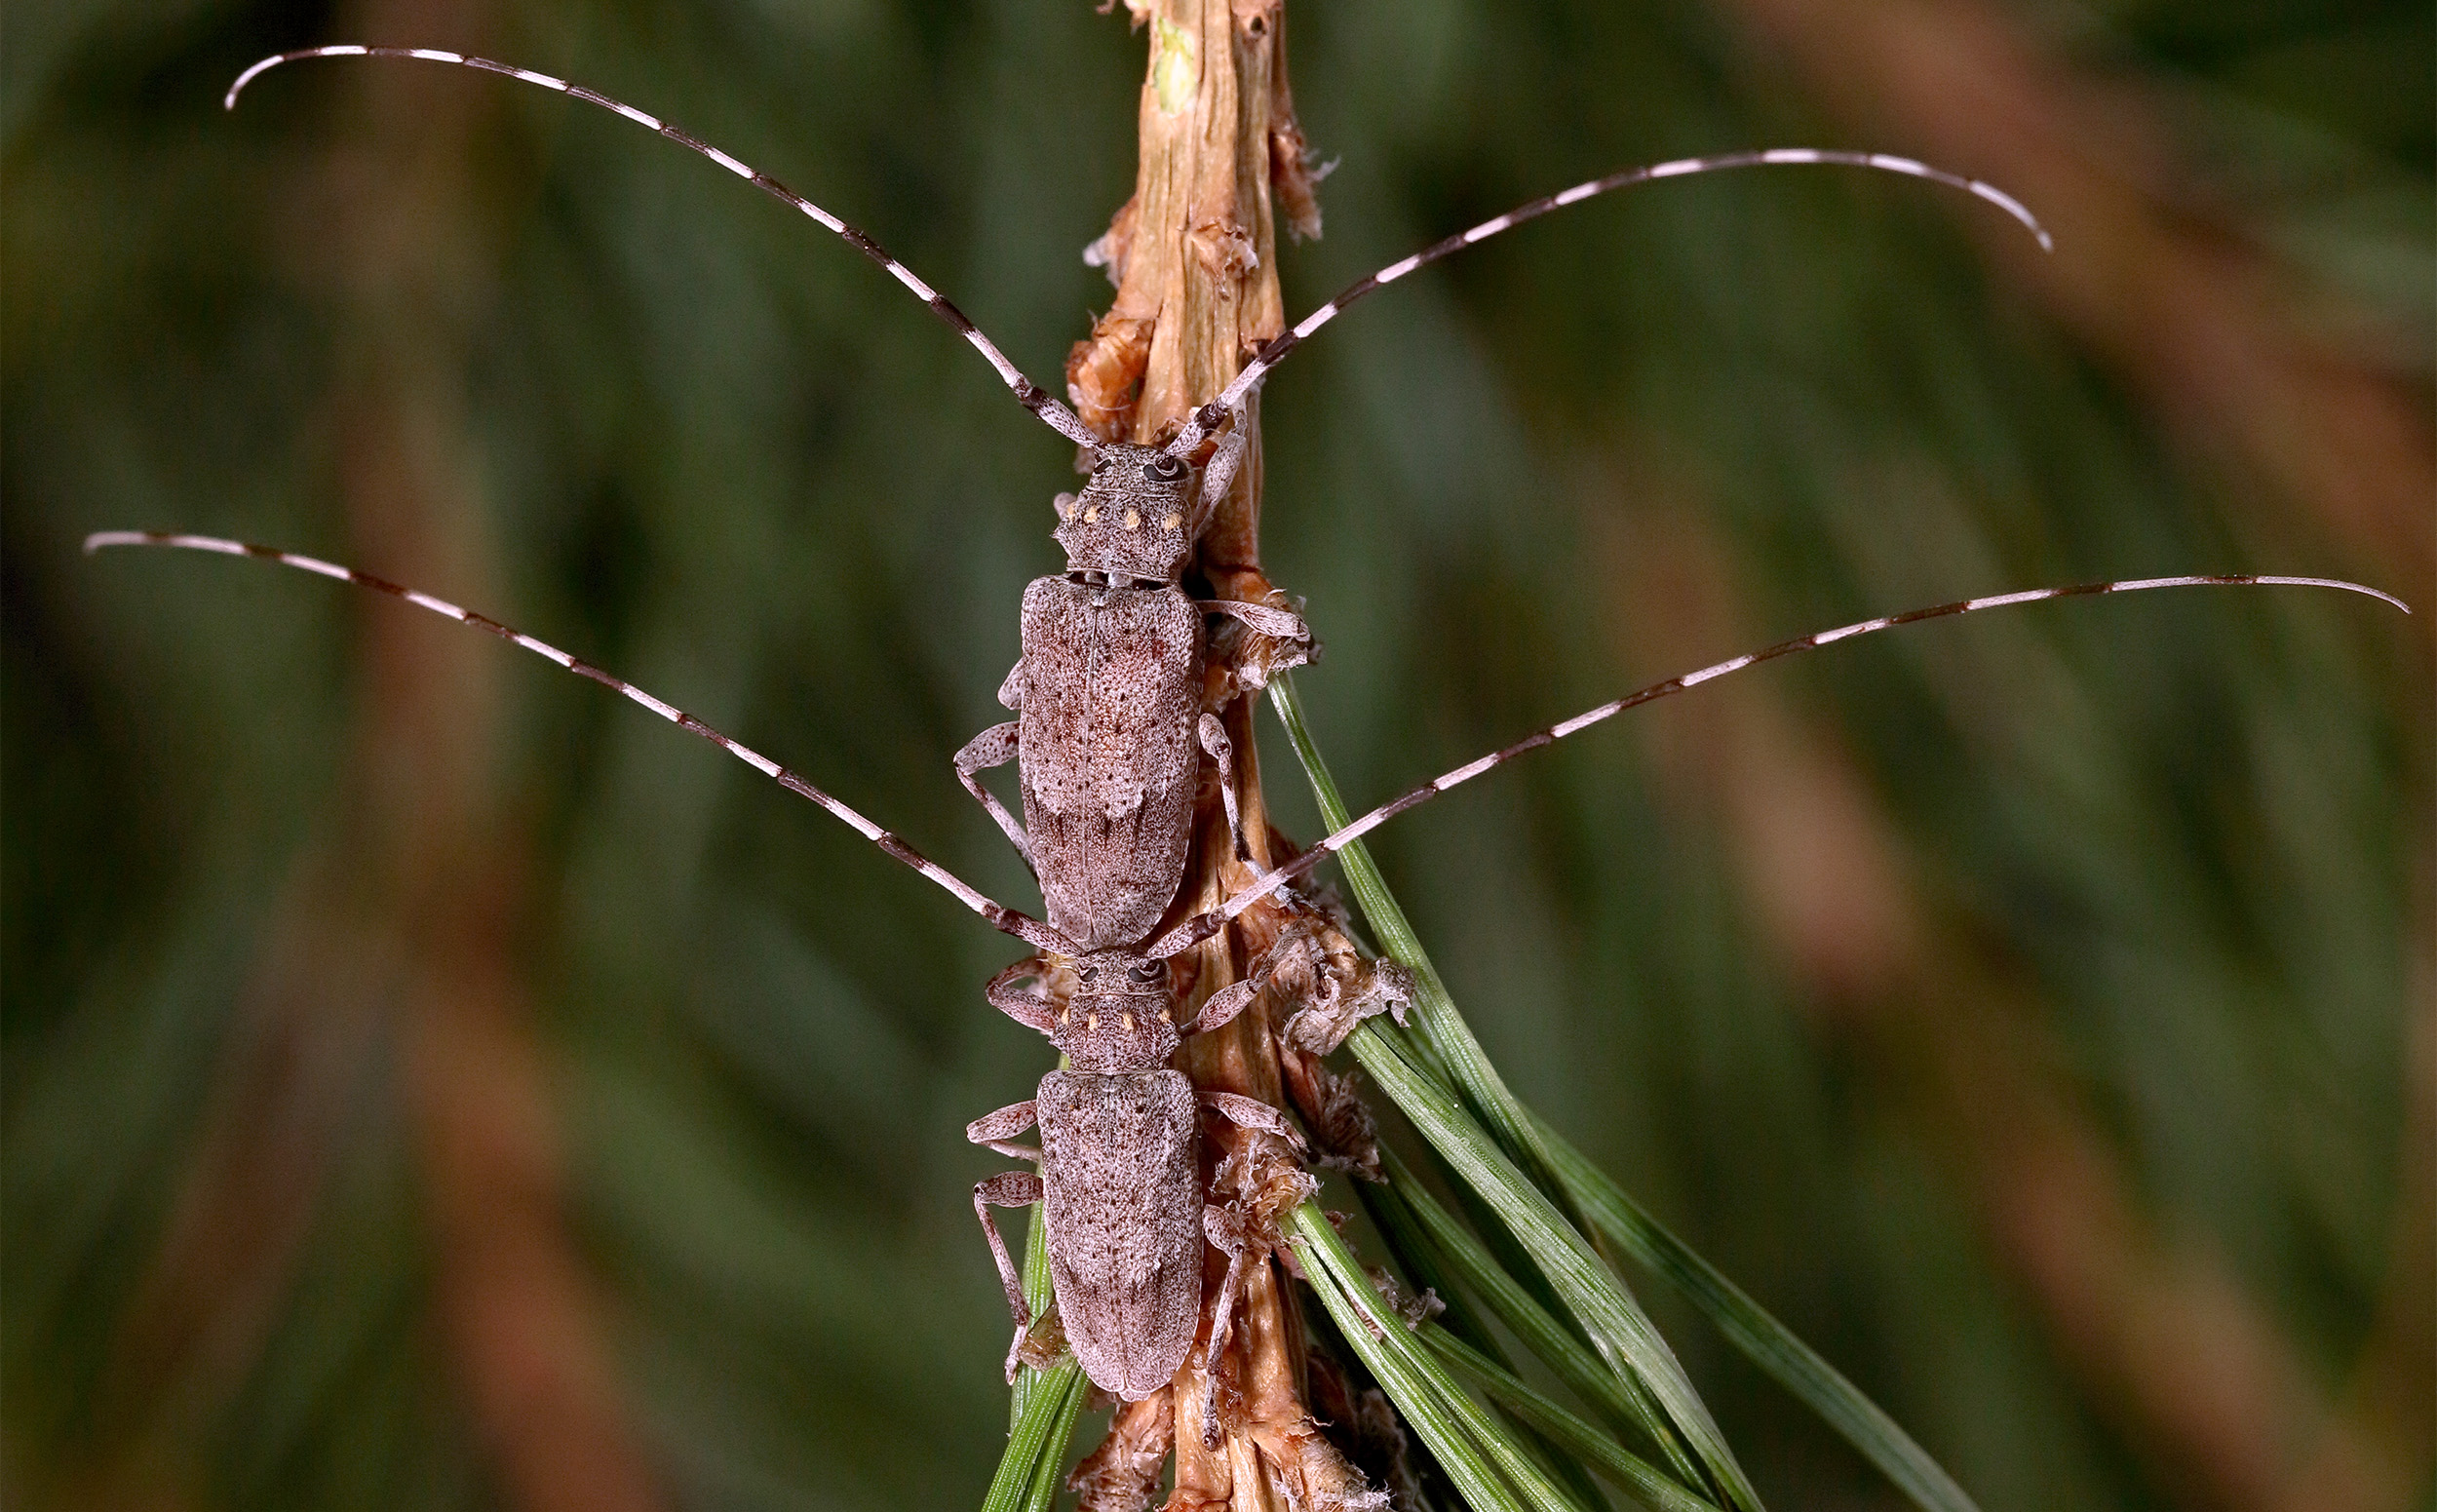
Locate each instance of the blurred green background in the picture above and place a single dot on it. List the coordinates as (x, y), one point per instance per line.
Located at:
(430, 1081)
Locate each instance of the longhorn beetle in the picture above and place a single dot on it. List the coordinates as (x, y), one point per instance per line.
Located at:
(1117, 1165)
(1118, 1158)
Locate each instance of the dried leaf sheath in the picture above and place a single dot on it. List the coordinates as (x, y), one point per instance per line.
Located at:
(1193, 255)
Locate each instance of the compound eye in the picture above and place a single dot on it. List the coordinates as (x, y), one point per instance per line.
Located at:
(1087, 973)
(1146, 971)
(1164, 468)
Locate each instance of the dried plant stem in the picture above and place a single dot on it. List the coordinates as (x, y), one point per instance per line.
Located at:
(1194, 255)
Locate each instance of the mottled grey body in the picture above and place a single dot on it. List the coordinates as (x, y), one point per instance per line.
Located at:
(1109, 740)
(1106, 699)
(1118, 1178)
(1120, 1174)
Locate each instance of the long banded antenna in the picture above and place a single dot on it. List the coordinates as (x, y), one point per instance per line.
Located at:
(1030, 395)
(1209, 417)
(1023, 926)
(1202, 926)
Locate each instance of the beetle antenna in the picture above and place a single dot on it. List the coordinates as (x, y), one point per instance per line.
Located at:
(1207, 418)
(1023, 926)
(1202, 926)
(1030, 395)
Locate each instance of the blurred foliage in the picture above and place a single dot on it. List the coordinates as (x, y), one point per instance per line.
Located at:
(2010, 1006)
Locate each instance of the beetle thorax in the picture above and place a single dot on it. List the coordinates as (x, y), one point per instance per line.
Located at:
(1130, 522)
(1121, 1017)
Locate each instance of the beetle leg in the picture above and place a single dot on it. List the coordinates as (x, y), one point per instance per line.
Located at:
(1260, 618)
(1011, 689)
(992, 748)
(1245, 1114)
(1218, 475)
(1223, 1005)
(1007, 1189)
(1032, 1010)
(1214, 734)
(991, 1130)
(1225, 1230)
(1271, 640)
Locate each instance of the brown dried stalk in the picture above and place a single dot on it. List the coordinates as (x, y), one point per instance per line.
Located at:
(1193, 255)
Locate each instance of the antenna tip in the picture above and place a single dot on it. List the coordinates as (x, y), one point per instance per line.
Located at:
(100, 538)
(228, 102)
(2378, 594)
(2347, 586)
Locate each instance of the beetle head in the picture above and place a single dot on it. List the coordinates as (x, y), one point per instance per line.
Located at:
(1120, 1018)
(1132, 519)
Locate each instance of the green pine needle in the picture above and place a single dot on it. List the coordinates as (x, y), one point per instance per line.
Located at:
(1440, 1077)
(1028, 1473)
(1600, 1301)
(1490, 1468)
(1765, 1342)
(1043, 1405)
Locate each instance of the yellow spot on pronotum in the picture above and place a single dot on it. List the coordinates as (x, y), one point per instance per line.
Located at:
(1091, 515)
(1172, 522)
(1133, 520)
(1090, 1021)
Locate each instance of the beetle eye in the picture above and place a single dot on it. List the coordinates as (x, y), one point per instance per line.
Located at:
(1148, 971)
(1164, 469)
(1087, 973)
